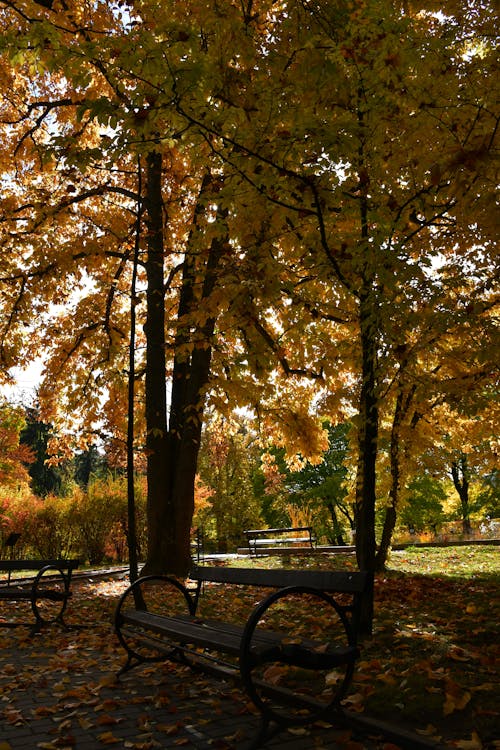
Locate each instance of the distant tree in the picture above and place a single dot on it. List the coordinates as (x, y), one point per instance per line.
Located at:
(227, 460)
(15, 456)
(424, 506)
(488, 497)
(45, 478)
(88, 463)
(321, 488)
(461, 480)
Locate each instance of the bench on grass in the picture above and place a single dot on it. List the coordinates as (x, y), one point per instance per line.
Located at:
(259, 539)
(48, 591)
(295, 653)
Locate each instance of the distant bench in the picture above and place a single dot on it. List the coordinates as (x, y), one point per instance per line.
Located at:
(48, 592)
(259, 539)
(295, 658)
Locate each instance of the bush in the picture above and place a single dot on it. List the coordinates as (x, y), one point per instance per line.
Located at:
(49, 527)
(101, 518)
(91, 524)
(15, 511)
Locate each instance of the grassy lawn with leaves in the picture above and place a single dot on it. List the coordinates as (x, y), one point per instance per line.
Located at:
(431, 664)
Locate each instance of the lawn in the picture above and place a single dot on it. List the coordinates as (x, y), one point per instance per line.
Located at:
(431, 664)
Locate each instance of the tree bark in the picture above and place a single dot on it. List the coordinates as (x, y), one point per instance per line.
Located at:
(391, 510)
(367, 443)
(131, 509)
(336, 527)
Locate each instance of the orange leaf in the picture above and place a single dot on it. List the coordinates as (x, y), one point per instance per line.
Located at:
(455, 698)
(108, 738)
(106, 719)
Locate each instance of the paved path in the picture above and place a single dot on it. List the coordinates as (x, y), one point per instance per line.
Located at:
(67, 696)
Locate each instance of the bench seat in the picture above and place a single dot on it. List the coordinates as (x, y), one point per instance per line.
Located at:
(216, 635)
(51, 583)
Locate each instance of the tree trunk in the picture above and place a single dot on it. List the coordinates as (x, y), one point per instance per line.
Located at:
(391, 510)
(131, 512)
(173, 451)
(367, 444)
(336, 527)
(367, 447)
(460, 474)
(160, 508)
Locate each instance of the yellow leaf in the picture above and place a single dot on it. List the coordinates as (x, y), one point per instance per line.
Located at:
(387, 678)
(5, 746)
(473, 744)
(273, 674)
(84, 723)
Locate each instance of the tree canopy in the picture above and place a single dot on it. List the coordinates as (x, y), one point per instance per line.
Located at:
(310, 191)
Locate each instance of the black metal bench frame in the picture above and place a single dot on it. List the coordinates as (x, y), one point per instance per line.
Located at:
(204, 643)
(258, 539)
(52, 582)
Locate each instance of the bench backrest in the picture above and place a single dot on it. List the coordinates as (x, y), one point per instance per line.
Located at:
(253, 533)
(7, 565)
(323, 580)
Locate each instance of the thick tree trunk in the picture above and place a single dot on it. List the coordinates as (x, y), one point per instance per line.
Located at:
(367, 444)
(173, 448)
(131, 509)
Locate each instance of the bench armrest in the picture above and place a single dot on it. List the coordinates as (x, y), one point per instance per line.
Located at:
(333, 651)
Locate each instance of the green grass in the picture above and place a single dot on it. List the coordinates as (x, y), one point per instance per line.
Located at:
(453, 562)
(457, 562)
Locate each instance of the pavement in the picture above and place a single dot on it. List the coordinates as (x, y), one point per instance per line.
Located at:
(62, 693)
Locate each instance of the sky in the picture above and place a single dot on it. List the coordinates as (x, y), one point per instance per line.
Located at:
(26, 381)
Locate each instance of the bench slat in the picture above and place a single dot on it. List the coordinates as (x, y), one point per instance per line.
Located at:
(289, 530)
(38, 588)
(185, 630)
(282, 540)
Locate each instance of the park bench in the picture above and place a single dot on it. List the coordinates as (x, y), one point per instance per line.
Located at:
(259, 540)
(292, 675)
(47, 591)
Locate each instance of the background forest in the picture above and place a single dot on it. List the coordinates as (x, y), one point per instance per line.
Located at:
(79, 507)
(254, 245)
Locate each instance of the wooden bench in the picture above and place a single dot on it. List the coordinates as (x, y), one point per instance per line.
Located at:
(295, 658)
(259, 539)
(48, 591)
